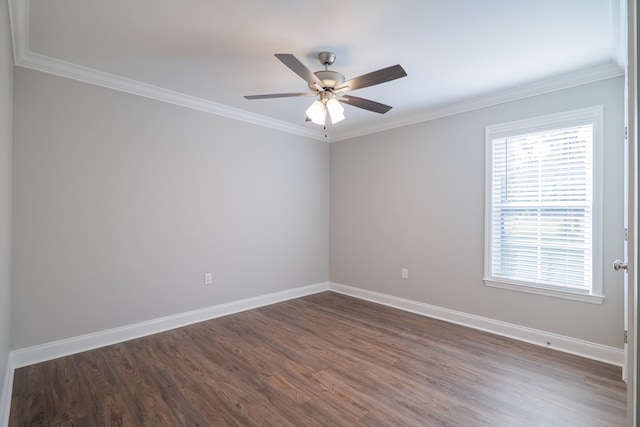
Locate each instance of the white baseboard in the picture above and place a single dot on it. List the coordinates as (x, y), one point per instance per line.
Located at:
(5, 397)
(602, 353)
(40, 353)
(49, 351)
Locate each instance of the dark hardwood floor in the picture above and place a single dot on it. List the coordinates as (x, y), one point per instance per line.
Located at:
(324, 359)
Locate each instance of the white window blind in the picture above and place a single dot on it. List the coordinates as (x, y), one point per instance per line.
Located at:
(541, 208)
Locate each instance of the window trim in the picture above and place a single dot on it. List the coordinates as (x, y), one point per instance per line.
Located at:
(590, 115)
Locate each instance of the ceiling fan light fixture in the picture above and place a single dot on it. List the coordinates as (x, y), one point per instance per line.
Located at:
(317, 113)
(327, 84)
(336, 111)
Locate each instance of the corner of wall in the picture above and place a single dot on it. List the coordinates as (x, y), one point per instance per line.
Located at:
(6, 392)
(6, 150)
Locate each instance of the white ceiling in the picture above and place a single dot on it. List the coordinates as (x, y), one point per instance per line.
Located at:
(205, 54)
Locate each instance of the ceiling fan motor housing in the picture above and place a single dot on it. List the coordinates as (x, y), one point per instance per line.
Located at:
(330, 79)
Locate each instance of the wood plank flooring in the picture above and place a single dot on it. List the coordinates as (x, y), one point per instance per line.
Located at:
(321, 360)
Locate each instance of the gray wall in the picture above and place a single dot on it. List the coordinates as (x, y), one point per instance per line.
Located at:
(414, 197)
(6, 142)
(122, 203)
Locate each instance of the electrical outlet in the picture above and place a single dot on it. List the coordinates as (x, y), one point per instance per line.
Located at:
(404, 273)
(208, 278)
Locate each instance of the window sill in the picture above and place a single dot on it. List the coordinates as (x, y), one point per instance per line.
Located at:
(531, 289)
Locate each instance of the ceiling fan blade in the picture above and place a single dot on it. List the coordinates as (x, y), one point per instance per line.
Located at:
(366, 104)
(372, 78)
(299, 68)
(278, 95)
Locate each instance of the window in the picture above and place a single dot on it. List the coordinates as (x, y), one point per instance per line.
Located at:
(543, 208)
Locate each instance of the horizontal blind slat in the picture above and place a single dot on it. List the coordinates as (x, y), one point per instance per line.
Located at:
(541, 207)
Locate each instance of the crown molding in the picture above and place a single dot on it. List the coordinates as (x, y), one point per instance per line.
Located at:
(565, 81)
(19, 17)
(19, 23)
(23, 57)
(88, 75)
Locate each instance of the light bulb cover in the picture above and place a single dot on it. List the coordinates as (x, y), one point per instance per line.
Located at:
(336, 111)
(317, 113)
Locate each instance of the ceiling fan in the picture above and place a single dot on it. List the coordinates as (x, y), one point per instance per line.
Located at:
(330, 86)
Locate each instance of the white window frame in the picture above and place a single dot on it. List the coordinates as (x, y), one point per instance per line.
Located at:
(589, 115)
